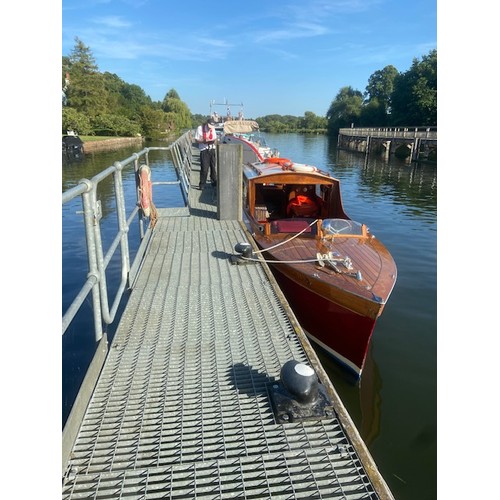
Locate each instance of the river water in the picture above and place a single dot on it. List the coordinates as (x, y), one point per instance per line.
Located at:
(394, 406)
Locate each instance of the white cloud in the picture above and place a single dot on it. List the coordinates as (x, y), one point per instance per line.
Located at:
(112, 22)
(293, 31)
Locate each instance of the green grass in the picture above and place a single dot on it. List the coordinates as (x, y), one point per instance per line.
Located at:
(90, 138)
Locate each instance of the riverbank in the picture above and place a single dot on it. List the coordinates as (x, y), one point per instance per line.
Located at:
(110, 144)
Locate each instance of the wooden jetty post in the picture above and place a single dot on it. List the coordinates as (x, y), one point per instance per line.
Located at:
(229, 181)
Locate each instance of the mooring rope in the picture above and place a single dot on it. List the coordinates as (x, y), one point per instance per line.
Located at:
(288, 240)
(260, 259)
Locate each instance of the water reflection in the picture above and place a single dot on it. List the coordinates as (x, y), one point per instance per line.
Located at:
(69, 158)
(78, 342)
(370, 400)
(394, 405)
(409, 183)
(362, 397)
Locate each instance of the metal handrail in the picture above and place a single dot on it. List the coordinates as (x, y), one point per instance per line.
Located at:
(182, 158)
(98, 261)
(96, 277)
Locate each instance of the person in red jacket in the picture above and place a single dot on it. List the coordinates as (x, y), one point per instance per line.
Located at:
(304, 203)
(206, 137)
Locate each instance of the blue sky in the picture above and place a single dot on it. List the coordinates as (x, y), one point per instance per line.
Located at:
(275, 57)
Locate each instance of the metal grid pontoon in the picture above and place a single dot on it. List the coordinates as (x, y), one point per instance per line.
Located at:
(182, 409)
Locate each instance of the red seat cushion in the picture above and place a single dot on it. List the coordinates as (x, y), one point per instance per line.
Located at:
(291, 226)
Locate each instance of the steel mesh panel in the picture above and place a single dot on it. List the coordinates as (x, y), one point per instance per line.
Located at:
(320, 473)
(181, 409)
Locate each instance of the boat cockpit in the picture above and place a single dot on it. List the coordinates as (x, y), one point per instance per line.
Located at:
(292, 207)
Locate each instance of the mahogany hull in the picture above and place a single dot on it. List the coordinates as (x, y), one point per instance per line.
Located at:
(343, 334)
(336, 275)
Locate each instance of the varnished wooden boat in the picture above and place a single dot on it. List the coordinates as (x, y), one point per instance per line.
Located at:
(335, 274)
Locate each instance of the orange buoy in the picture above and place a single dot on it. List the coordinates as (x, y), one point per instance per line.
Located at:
(145, 190)
(284, 163)
(146, 195)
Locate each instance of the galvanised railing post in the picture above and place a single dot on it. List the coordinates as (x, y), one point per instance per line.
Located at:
(175, 155)
(96, 282)
(91, 214)
(103, 261)
(138, 197)
(122, 220)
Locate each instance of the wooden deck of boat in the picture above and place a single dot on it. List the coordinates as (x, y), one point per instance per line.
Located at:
(375, 264)
(182, 406)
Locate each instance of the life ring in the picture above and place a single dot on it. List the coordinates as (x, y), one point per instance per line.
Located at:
(145, 190)
(278, 160)
(301, 167)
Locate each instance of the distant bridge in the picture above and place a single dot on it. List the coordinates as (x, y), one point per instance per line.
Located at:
(417, 143)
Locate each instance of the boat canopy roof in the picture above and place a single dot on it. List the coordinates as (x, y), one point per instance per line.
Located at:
(273, 172)
(240, 126)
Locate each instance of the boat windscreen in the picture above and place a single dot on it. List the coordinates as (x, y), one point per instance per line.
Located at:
(342, 226)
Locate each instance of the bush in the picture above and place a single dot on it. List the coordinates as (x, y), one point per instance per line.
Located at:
(74, 120)
(115, 125)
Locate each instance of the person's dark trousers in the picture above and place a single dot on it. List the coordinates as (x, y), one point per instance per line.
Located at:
(207, 161)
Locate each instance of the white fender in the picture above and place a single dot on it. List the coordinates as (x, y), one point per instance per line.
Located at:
(301, 167)
(145, 189)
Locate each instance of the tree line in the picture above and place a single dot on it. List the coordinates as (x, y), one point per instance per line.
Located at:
(96, 103)
(391, 98)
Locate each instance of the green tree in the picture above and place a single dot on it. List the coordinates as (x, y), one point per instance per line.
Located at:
(172, 94)
(133, 99)
(197, 118)
(178, 113)
(381, 86)
(312, 122)
(124, 98)
(374, 114)
(115, 125)
(414, 100)
(153, 122)
(345, 109)
(86, 92)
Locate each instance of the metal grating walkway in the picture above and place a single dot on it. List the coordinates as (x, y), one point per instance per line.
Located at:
(181, 409)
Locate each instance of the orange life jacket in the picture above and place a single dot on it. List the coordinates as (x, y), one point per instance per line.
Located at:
(302, 206)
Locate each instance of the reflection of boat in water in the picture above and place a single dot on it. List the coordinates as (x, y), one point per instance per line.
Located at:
(370, 400)
(363, 397)
(335, 274)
